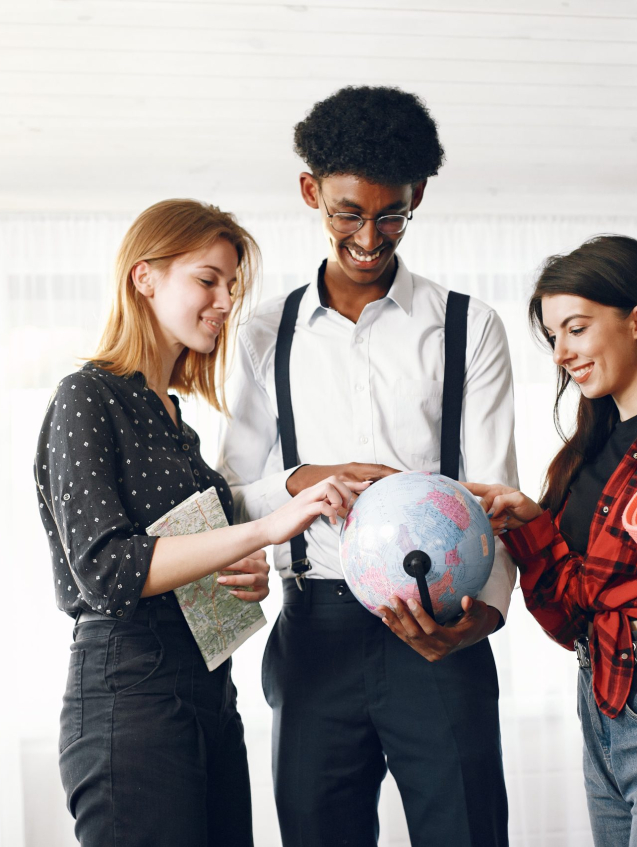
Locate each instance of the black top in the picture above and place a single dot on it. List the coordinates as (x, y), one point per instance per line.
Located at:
(587, 487)
(110, 461)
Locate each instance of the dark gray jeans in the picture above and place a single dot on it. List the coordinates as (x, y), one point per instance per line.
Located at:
(151, 743)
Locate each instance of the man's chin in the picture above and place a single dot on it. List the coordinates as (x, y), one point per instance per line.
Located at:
(365, 272)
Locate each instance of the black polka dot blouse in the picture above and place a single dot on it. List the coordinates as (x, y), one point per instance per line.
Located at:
(110, 461)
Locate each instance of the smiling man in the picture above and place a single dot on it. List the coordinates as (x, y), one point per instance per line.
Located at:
(346, 378)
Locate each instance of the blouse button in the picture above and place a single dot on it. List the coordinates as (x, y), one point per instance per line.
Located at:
(185, 446)
(605, 510)
(66, 497)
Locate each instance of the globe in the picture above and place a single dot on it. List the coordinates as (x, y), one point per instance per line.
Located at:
(423, 514)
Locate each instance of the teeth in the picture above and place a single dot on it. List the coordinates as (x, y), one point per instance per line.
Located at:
(364, 257)
(582, 371)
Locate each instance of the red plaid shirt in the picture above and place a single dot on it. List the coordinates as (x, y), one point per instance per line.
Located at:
(564, 591)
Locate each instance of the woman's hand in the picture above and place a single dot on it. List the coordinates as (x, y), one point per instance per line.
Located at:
(352, 472)
(506, 508)
(328, 497)
(248, 578)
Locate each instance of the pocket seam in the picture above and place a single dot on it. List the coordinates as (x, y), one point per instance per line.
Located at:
(76, 664)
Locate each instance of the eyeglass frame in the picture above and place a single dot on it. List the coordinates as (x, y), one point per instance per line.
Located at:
(362, 220)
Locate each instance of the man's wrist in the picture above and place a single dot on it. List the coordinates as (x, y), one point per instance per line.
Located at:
(293, 490)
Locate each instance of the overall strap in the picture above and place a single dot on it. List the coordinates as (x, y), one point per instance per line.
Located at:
(453, 387)
(287, 432)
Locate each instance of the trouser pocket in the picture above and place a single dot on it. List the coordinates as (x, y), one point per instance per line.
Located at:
(71, 717)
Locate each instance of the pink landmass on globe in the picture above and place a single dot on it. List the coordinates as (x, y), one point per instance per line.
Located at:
(444, 584)
(451, 507)
(376, 581)
(452, 557)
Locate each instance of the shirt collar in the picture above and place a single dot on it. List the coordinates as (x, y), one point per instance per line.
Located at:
(314, 299)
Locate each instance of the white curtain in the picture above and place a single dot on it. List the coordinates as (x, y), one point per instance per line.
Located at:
(54, 287)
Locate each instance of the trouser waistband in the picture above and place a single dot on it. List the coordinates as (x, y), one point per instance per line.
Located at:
(163, 607)
(317, 591)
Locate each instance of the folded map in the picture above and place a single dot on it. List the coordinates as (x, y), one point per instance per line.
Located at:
(218, 620)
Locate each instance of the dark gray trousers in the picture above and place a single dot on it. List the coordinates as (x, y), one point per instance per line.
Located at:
(151, 743)
(350, 699)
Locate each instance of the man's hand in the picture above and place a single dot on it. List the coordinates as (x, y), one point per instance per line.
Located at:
(418, 629)
(248, 578)
(308, 475)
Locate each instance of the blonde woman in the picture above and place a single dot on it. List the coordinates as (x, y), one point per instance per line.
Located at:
(151, 743)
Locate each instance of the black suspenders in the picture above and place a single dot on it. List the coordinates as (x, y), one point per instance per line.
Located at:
(287, 432)
(452, 394)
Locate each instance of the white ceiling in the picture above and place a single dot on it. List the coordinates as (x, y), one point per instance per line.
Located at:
(113, 104)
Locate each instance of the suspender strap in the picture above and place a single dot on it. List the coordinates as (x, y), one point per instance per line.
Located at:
(287, 432)
(453, 387)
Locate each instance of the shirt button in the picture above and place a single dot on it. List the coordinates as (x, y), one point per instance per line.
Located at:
(119, 613)
(605, 510)
(185, 446)
(364, 439)
(624, 656)
(66, 497)
(341, 588)
(359, 339)
(360, 387)
(634, 455)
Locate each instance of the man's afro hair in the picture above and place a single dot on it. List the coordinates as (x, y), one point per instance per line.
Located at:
(382, 134)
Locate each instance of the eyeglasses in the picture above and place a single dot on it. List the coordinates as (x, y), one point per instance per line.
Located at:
(348, 224)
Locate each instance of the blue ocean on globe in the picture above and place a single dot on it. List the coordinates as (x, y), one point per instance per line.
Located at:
(416, 511)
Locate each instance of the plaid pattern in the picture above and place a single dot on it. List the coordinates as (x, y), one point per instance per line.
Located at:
(564, 591)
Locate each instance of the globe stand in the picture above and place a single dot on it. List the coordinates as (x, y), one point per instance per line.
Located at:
(418, 564)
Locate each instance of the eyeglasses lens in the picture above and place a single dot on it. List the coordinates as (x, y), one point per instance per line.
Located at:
(391, 224)
(387, 224)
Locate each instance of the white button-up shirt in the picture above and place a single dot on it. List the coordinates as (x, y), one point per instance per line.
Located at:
(368, 392)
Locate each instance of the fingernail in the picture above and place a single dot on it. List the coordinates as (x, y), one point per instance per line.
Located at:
(412, 605)
(490, 514)
(222, 579)
(384, 620)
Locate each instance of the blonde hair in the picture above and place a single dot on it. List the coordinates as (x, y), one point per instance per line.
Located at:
(158, 236)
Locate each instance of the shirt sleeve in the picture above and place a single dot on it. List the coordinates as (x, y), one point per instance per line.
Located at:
(487, 441)
(77, 473)
(250, 452)
(546, 569)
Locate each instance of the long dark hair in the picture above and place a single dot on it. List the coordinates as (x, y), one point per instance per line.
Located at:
(603, 270)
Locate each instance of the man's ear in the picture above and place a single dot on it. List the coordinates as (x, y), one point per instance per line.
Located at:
(633, 315)
(142, 279)
(416, 197)
(309, 189)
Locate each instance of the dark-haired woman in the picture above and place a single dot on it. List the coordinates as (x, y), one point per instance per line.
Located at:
(578, 563)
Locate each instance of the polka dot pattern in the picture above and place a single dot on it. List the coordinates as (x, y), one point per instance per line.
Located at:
(110, 461)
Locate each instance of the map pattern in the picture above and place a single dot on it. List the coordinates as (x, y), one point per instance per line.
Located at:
(218, 620)
(416, 511)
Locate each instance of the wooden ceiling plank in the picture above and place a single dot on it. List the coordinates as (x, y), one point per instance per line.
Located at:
(279, 68)
(283, 18)
(526, 8)
(289, 112)
(307, 91)
(328, 49)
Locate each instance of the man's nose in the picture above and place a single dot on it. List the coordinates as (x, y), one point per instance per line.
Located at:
(368, 237)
